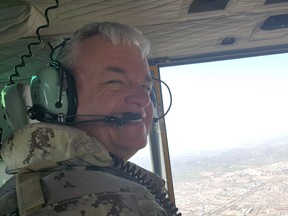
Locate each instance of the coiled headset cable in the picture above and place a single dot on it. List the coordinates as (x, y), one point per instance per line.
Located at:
(29, 47)
(129, 171)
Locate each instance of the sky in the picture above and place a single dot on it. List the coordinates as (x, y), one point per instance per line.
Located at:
(225, 104)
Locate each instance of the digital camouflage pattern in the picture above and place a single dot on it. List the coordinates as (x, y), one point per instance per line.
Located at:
(51, 177)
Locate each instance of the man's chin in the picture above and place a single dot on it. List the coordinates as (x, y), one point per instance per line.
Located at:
(134, 142)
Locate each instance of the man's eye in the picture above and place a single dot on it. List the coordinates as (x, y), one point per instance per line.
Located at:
(114, 82)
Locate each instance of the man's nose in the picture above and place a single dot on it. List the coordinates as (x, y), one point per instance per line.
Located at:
(139, 96)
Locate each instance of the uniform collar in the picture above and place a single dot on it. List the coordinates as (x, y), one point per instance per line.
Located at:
(43, 141)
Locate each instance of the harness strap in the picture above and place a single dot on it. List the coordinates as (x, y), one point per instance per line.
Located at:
(29, 192)
(28, 187)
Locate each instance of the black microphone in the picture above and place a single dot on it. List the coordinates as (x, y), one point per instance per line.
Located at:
(122, 119)
(36, 112)
(115, 120)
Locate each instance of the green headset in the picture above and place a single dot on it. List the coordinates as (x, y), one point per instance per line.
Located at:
(53, 94)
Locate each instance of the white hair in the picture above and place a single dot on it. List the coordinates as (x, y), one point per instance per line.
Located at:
(116, 32)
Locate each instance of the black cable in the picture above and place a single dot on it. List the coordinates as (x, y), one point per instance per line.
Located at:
(170, 104)
(29, 55)
(61, 45)
(147, 182)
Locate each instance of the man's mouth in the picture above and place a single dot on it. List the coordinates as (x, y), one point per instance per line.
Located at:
(136, 117)
(137, 120)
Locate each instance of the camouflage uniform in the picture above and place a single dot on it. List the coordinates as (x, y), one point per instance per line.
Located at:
(56, 173)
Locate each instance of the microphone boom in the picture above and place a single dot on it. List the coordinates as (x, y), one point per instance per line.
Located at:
(122, 119)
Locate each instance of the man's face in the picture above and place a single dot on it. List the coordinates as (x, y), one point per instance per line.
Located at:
(113, 80)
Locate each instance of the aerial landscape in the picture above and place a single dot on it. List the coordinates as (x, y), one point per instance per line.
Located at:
(249, 180)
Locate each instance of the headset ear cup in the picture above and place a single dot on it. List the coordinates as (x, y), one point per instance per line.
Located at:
(51, 89)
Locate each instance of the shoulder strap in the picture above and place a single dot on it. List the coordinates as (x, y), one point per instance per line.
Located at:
(29, 192)
(28, 188)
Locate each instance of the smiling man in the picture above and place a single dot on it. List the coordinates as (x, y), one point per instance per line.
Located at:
(81, 168)
(113, 79)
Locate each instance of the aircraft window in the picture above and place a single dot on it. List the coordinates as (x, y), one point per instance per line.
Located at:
(228, 136)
